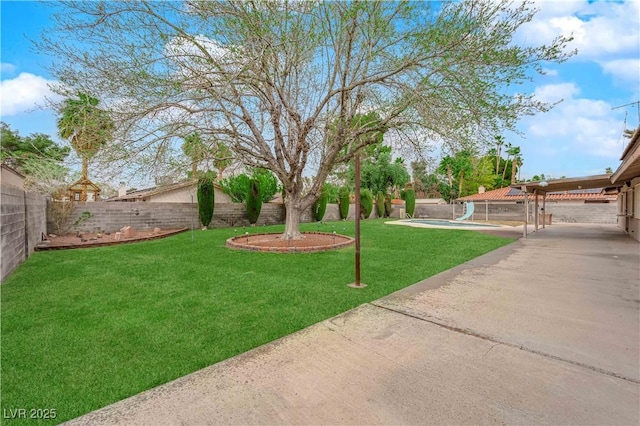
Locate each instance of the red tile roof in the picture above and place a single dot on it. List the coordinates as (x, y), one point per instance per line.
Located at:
(512, 194)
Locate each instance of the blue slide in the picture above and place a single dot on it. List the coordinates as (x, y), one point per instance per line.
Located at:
(470, 209)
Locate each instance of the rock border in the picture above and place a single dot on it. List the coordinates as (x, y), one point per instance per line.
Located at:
(44, 247)
(235, 243)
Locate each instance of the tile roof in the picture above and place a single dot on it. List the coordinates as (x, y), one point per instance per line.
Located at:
(514, 194)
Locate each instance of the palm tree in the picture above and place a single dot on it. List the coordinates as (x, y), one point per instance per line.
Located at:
(499, 142)
(86, 126)
(194, 148)
(515, 153)
(222, 158)
(504, 171)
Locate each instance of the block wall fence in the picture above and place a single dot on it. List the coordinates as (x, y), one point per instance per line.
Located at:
(22, 223)
(561, 213)
(110, 217)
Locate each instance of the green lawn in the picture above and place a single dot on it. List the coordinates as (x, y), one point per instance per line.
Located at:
(85, 328)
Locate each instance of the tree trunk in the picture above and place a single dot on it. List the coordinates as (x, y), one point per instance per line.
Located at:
(85, 168)
(292, 218)
(504, 171)
(513, 169)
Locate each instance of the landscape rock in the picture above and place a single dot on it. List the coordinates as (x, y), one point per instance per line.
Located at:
(128, 232)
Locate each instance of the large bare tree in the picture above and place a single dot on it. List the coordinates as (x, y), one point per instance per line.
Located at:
(280, 82)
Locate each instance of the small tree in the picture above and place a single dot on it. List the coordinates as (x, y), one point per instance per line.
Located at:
(366, 203)
(254, 201)
(343, 202)
(410, 201)
(206, 200)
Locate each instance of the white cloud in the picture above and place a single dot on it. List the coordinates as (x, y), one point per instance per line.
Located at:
(555, 92)
(7, 68)
(580, 126)
(627, 70)
(601, 30)
(26, 91)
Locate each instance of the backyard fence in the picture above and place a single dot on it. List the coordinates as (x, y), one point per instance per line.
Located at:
(22, 223)
(112, 216)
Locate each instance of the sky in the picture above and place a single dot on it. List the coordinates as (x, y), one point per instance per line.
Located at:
(581, 136)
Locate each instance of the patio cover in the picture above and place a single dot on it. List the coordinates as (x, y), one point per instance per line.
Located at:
(567, 184)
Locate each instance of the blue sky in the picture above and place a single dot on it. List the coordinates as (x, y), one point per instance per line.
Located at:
(581, 136)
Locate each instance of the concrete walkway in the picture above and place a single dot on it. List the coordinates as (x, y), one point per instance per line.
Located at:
(543, 331)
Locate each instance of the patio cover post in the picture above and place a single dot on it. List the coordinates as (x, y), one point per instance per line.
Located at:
(526, 211)
(544, 211)
(535, 215)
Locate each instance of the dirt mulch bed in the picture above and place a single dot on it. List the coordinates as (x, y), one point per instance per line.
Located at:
(60, 242)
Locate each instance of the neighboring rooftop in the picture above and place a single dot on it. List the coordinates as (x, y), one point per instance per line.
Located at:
(142, 194)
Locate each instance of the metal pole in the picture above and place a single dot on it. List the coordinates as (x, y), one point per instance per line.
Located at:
(486, 210)
(357, 158)
(544, 210)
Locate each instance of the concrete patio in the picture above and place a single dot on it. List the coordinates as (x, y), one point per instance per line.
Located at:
(543, 331)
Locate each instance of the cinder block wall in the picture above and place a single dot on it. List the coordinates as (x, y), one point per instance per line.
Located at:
(110, 217)
(22, 222)
(565, 212)
(12, 227)
(583, 213)
(36, 220)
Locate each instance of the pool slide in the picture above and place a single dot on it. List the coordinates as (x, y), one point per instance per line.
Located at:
(470, 209)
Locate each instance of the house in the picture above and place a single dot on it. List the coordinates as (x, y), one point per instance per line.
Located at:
(628, 176)
(181, 192)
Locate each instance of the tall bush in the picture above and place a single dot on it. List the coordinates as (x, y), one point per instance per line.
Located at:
(206, 200)
(237, 187)
(254, 201)
(366, 203)
(410, 201)
(320, 206)
(380, 204)
(343, 201)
